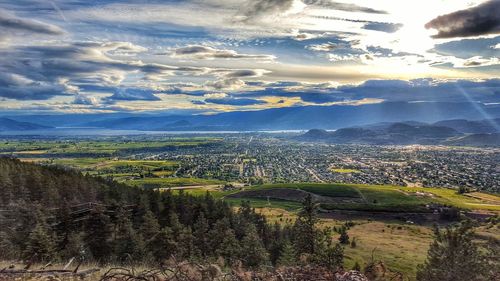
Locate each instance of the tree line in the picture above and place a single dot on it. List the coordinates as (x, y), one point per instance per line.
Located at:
(46, 220)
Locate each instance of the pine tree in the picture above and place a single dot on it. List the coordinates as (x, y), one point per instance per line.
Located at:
(129, 246)
(454, 256)
(186, 244)
(332, 256)
(253, 253)
(223, 242)
(165, 245)
(98, 234)
(287, 255)
(75, 246)
(202, 241)
(305, 231)
(344, 237)
(41, 244)
(149, 225)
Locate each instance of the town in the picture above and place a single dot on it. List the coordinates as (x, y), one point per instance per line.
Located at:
(251, 159)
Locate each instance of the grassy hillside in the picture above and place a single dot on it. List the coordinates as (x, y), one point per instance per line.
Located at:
(390, 198)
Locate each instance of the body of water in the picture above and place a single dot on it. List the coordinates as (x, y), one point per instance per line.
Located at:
(85, 131)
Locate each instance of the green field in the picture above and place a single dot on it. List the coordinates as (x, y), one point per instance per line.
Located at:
(345, 171)
(383, 197)
(99, 148)
(171, 182)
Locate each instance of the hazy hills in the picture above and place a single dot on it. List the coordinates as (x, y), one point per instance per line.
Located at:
(287, 118)
(7, 124)
(456, 133)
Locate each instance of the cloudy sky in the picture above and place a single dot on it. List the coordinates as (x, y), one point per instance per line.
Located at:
(225, 55)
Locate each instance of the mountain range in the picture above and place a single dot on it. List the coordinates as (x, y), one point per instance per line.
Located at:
(7, 124)
(286, 118)
(458, 132)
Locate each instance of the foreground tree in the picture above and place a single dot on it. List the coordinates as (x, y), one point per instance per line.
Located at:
(41, 245)
(455, 256)
(287, 255)
(314, 242)
(305, 230)
(253, 253)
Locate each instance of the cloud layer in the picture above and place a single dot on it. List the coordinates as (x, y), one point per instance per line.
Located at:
(205, 52)
(479, 20)
(222, 55)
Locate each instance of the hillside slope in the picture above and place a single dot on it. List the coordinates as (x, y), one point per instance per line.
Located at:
(7, 124)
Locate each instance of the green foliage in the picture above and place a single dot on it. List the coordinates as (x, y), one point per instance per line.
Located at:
(455, 256)
(356, 266)
(315, 242)
(40, 245)
(104, 221)
(98, 229)
(287, 257)
(327, 253)
(305, 230)
(253, 253)
(344, 237)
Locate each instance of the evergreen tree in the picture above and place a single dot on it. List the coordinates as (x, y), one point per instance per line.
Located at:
(287, 256)
(165, 245)
(41, 244)
(98, 234)
(129, 246)
(75, 245)
(328, 254)
(223, 242)
(454, 256)
(202, 241)
(305, 231)
(253, 253)
(149, 225)
(344, 237)
(186, 245)
(332, 256)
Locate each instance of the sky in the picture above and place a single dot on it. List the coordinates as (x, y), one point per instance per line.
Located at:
(208, 56)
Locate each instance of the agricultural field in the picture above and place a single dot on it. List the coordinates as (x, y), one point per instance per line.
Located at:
(345, 171)
(113, 157)
(103, 147)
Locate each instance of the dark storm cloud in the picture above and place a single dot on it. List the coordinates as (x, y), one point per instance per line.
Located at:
(479, 20)
(382, 26)
(347, 7)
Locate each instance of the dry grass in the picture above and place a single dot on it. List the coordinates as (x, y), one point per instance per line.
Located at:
(400, 246)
